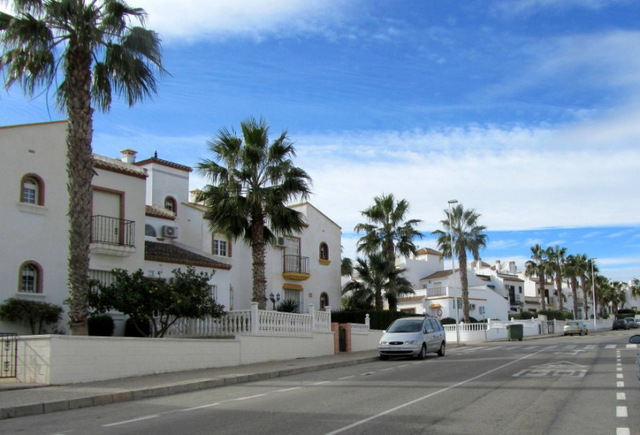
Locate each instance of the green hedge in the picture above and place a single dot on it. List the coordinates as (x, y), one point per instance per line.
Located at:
(377, 319)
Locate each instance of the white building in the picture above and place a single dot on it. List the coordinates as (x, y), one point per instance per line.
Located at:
(144, 219)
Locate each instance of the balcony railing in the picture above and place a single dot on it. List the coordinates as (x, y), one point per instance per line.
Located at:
(296, 264)
(112, 231)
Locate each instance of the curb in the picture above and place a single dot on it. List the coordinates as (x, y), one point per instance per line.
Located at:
(165, 390)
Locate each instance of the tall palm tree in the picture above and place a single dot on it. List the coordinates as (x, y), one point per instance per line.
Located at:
(96, 51)
(634, 288)
(378, 279)
(581, 268)
(387, 229)
(462, 226)
(556, 258)
(252, 183)
(572, 272)
(537, 267)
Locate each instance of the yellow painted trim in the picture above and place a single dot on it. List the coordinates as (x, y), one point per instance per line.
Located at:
(324, 262)
(289, 286)
(296, 276)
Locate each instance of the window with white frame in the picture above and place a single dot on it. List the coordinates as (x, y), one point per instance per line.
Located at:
(30, 278)
(220, 247)
(213, 292)
(32, 190)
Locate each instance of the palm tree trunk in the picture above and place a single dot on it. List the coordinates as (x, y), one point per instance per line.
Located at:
(258, 266)
(541, 285)
(574, 291)
(585, 305)
(80, 175)
(464, 283)
(559, 290)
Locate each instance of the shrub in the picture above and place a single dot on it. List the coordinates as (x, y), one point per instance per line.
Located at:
(288, 306)
(137, 328)
(38, 315)
(101, 325)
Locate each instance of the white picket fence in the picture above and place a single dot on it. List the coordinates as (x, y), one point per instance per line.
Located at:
(255, 322)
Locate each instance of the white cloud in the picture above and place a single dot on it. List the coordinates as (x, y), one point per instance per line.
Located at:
(202, 19)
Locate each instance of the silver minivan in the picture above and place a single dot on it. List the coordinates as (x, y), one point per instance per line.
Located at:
(413, 336)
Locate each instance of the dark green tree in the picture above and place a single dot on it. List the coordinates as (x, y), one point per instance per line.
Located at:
(89, 50)
(156, 301)
(37, 314)
(252, 183)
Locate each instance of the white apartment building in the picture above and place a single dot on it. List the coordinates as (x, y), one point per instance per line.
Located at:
(143, 218)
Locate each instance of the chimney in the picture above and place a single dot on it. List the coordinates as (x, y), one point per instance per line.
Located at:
(498, 266)
(128, 156)
(512, 268)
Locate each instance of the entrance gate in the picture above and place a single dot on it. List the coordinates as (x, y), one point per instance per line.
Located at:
(8, 355)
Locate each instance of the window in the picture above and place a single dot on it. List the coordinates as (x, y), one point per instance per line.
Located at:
(170, 204)
(149, 230)
(213, 292)
(220, 247)
(324, 251)
(324, 301)
(30, 278)
(32, 190)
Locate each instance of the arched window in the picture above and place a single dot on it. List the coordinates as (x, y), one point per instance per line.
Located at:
(324, 251)
(32, 190)
(149, 230)
(30, 278)
(171, 204)
(324, 300)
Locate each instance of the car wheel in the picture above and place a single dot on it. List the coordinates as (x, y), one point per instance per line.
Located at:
(423, 352)
(384, 357)
(442, 349)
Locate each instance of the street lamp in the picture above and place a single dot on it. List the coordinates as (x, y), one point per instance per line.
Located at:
(453, 201)
(593, 292)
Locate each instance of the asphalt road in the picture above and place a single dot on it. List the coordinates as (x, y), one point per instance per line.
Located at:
(561, 385)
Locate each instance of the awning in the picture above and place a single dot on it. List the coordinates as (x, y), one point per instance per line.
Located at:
(288, 286)
(435, 306)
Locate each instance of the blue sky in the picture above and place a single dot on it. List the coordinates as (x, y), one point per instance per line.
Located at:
(524, 110)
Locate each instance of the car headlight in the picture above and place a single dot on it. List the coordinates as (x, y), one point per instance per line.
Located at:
(411, 342)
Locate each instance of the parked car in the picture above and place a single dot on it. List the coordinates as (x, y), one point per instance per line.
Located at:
(572, 327)
(635, 339)
(413, 336)
(631, 322)
(619, 324)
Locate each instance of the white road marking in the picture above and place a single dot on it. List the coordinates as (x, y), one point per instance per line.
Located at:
(146, 417)
(621, 411)
(420, 399)
(287, 389)
(196, 408)
(621, 396)
(623, 431)
(240, 399)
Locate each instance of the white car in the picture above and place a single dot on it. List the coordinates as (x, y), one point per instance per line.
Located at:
(413, 336)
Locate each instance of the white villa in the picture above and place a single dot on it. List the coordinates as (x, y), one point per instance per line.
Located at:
(144, 218)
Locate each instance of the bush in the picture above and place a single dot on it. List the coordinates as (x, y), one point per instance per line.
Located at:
(556, 314)
(39, 315)
(101, 325)
(137, 328)
(288, 306)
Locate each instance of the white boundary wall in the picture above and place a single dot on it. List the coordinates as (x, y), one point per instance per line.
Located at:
(62, 359)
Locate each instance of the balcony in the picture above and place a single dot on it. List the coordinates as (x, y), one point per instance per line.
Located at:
(112, 236)
(295, 267)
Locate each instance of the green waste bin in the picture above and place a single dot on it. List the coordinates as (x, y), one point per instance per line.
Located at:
(515, 332)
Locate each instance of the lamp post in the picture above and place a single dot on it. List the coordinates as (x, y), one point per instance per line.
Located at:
(593, 292)
(453, 201)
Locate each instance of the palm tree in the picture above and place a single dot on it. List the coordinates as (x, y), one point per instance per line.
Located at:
(462, 226)
(537, 267)
(556, 258)
(377, 279)
(386, 230)
(634, 288)
(581, 268)
(93, 46)
(572, 272)
(252, 183)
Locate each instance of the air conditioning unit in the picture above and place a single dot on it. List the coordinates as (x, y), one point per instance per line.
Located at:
(280, 242)
(169, 231)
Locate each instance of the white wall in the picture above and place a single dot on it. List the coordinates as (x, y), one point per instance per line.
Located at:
(57, 359)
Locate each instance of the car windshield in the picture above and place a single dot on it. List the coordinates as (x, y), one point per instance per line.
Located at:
(406, 325)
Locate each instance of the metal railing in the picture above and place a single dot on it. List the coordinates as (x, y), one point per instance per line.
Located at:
(8, 355)
(295, 264)
(112, 231)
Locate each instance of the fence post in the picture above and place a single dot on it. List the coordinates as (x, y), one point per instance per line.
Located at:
(367, 321)
(255, 320)
(312, 313)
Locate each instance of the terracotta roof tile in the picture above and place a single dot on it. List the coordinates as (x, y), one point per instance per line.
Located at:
(166, 253)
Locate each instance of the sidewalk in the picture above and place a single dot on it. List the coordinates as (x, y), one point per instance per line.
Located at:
(19, 400)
